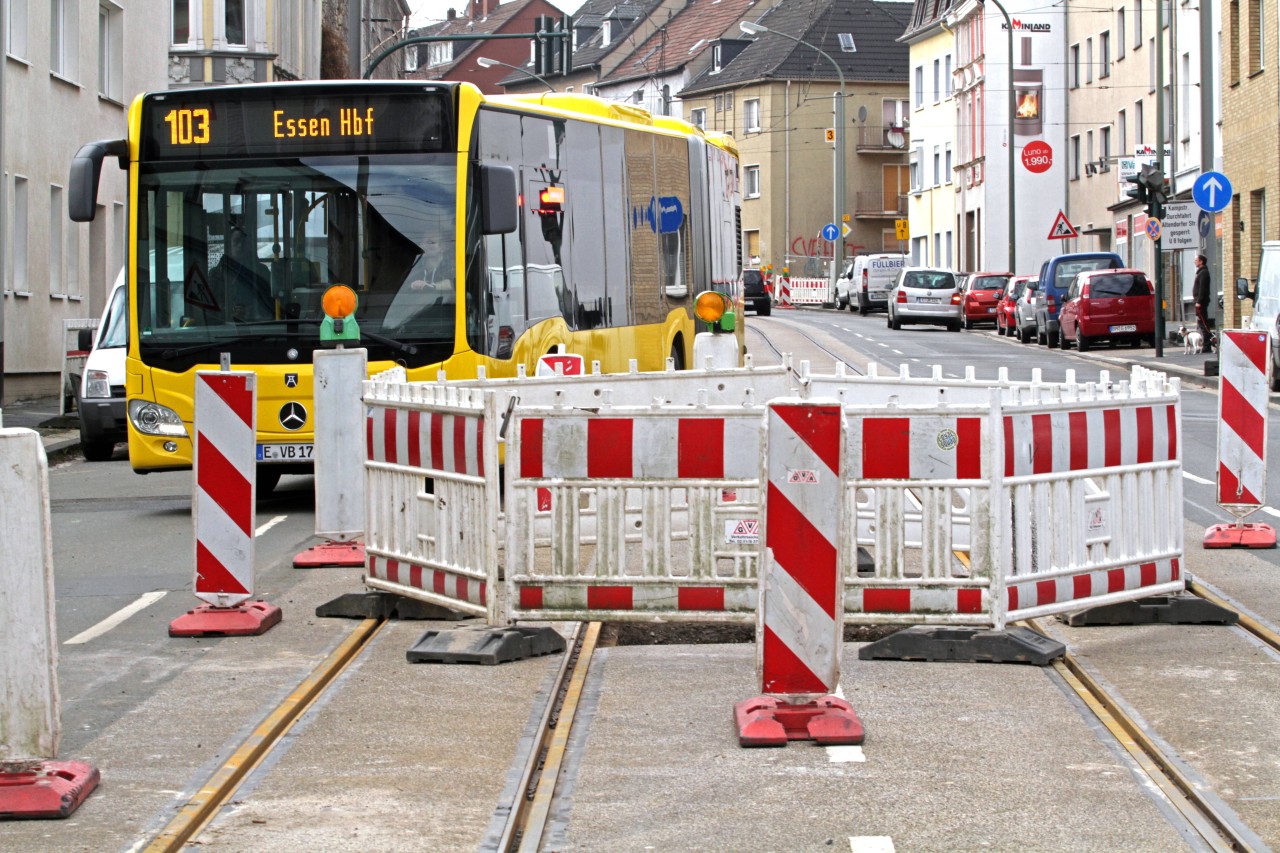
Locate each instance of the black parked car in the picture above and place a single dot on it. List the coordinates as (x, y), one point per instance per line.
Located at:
(755, 292)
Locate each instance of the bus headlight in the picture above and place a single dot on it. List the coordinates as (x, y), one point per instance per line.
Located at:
(154, 419)
(97, 384)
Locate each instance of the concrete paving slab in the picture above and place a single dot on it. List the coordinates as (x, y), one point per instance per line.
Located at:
(957, 757)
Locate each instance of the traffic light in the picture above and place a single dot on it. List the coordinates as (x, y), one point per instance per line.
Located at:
(1138, 192)
(1153, 179)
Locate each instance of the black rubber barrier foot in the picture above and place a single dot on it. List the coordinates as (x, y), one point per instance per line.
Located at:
(485, 645)
(1156, 610)
(385, 605)
(969, 645)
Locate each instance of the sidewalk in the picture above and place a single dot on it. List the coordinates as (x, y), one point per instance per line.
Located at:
(1189, 367)
(58, 432)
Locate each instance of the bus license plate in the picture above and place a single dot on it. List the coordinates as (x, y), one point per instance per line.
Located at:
(285, 452)
(1128, 328)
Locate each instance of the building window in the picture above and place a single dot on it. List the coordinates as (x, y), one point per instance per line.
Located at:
(1184, 108)
(15, 32)
(937, 80)
(1151, 66)
(1104, 142)
(1075, 158)
(411, 58)
(917, 180)
(1075, 66)
(937, 166)
(1139, 136)
(235, 23)
(1120, 45)
(919, 86)
(1088, 146)
(56, 215)
(606, 33)
(1137, 24)
(1104, 55)
(698, 117)
(181, 21)
(1234, 42)
(1121, 118)
(751, 115)
(715, 58)
(751, 182)
(946, 76)
(18, 251)
(439, 53)
(111, 51)
(1088, 60)
(63, 38)
(1257, 40)
(946, 174)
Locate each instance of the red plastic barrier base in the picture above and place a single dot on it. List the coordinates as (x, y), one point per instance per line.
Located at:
(1240, 536)
(248, 620)
(46, 789)
(340, 554)
(766, 721)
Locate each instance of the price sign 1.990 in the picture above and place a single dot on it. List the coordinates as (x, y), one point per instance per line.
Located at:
(1037, 156)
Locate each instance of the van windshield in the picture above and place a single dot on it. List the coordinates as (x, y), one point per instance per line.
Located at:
(115, 326)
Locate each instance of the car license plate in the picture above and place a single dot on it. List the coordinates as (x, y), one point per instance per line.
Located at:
(1128, 328)
(928, 300)
(991, 310)
(285, 452)
(877, 294)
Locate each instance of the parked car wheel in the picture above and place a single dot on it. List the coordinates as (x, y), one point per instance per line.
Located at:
(97, 450)
(955, 327)
(1083, 344)
(1053, 339)
(764, 309)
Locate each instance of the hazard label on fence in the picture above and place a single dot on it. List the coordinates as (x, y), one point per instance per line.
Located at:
(803, 477)
(745, 531)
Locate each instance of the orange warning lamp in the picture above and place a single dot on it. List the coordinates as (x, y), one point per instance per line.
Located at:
(339, 301)
(710, 306)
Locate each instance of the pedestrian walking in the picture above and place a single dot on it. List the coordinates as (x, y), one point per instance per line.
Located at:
(1202, 293)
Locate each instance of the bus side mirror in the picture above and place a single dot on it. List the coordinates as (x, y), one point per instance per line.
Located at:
(86, 169)
(499, 209)
(1243, 291)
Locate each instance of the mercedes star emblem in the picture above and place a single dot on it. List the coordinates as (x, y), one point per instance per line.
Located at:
(293, 416)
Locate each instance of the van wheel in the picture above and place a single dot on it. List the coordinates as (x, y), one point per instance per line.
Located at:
(98, 450)
(1082, 344)
(1053, 339)
(862, 309)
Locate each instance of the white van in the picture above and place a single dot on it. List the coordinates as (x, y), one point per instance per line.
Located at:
(867, 281)
(1266, 303)
(102, 403)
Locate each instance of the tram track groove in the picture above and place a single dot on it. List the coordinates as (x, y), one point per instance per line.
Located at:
(527, 821)
(1245, 622)
(800, 331)
(203, 807)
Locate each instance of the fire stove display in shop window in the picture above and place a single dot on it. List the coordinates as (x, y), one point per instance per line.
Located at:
(1028, 88)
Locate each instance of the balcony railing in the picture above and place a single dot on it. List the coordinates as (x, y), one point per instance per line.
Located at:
(886, 138)
(871, 204)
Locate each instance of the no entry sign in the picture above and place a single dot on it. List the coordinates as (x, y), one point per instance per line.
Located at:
(1037, 156)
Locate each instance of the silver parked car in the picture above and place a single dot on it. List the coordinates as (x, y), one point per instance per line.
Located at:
(929, 296)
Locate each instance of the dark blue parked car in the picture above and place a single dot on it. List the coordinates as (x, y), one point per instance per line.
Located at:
(1056, 276)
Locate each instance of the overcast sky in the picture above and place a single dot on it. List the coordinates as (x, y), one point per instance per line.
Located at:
(427, 11)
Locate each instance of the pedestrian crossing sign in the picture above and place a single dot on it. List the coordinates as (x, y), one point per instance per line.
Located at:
(1062, 229)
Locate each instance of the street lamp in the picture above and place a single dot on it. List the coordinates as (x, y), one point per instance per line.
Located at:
(486, 62)
(837, 214)
(1013, 110)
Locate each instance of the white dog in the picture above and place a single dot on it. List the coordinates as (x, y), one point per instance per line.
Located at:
(1192, 341)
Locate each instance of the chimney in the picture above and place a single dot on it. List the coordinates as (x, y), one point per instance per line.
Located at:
(451, 15)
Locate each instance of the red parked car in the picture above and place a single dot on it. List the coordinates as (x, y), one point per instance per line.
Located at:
(1006, 322)
(982, 290)
(1111, 305)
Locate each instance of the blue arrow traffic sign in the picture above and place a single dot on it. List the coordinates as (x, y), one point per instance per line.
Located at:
(830, 233)
(1204, 223)
(1212, 191)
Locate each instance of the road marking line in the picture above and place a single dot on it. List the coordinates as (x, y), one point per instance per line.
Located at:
(143, 602)
(270, 524)
(843, 754)
(1193, 478)
(871, 844)
(1269, 511)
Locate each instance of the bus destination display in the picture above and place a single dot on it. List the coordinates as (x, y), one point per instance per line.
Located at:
(187, 127)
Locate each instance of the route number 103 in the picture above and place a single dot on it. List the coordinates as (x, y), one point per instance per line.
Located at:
(188, 127)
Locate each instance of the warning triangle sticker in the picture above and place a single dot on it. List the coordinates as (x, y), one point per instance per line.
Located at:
(197, 291)
(1062, 229)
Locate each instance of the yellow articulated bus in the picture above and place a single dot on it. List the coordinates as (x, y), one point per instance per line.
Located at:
(474, 231)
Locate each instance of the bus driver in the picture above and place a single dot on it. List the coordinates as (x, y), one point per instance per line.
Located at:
(240, 279)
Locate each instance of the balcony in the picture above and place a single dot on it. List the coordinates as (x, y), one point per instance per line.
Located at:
(873, 204)
(882, 139)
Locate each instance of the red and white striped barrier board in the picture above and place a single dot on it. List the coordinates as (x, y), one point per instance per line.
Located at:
(640, 448)
(916, 448)
(32, 784)
(225, 478)
(810, 291)
(1243, 393)
(784, 292)
(1092, 438)
(801, 589)
(432, 440)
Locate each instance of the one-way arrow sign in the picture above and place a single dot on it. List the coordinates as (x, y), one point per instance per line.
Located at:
(1212, 191)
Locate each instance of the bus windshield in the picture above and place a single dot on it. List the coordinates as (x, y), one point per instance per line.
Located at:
(251, 250)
